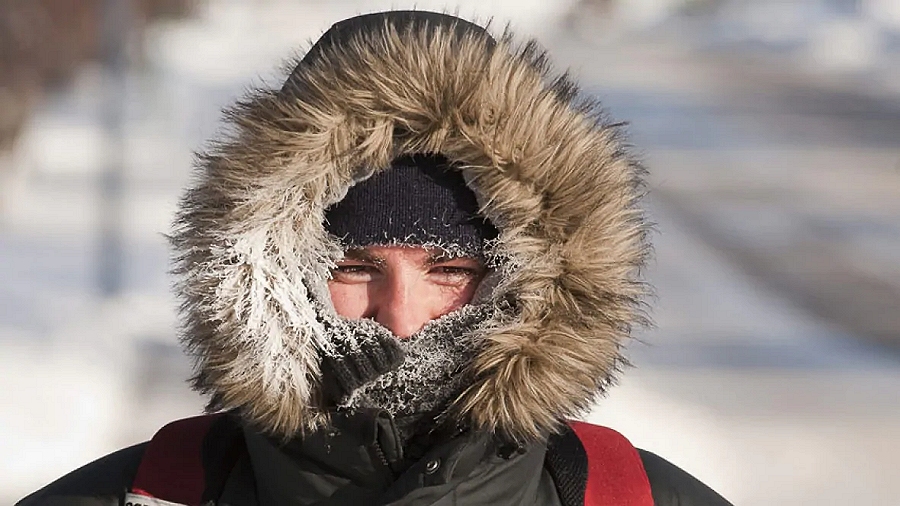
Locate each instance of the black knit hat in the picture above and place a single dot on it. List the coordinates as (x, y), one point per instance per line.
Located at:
(420, 200)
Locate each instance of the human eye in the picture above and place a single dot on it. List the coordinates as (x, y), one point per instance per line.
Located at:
(457, 272)
(353, 272)
(452, 270)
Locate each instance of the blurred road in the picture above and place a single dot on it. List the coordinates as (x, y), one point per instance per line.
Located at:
(772, 373)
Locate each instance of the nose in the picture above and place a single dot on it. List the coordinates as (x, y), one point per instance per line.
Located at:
(402, 308)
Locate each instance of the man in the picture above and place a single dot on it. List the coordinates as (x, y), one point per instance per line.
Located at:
(403, 273)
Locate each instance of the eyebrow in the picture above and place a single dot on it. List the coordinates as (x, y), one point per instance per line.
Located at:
(439, 256)
(362, 255)
(444, 256)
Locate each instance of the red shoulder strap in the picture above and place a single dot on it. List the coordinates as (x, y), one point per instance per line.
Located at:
(171, 471)
(616, 474)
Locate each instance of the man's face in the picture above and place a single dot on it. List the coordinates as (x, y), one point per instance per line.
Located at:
(403, 287)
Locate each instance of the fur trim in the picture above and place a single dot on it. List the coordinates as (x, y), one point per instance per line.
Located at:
(550, 172)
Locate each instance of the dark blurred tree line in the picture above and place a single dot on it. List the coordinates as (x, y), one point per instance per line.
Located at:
(43, 42)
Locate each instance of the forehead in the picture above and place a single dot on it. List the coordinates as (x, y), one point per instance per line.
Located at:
(423, 254)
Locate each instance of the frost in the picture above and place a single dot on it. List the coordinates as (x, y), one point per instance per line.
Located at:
(434, 371)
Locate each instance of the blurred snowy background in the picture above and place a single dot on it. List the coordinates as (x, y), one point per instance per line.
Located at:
(771, 128)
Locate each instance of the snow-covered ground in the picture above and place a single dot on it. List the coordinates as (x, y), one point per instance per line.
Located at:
(738, 384)
(742, 389)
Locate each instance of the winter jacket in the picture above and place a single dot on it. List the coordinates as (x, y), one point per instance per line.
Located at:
(254, 260)
(325, 469)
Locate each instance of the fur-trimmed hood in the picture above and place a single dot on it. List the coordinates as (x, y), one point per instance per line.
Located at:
(550, 173)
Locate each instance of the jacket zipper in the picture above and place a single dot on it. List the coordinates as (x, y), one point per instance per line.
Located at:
(389, 476)
(381, 454)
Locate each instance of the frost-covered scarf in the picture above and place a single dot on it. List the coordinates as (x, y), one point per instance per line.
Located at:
(433, 373)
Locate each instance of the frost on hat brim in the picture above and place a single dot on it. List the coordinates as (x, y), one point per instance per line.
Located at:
(421, 200)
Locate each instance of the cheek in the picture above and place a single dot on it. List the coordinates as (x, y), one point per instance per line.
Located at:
(349, 300)
(453, 298)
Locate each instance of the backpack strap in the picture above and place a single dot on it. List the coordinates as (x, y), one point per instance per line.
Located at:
(597, 466)
(616, 473)
(187, 462)
(567, 463)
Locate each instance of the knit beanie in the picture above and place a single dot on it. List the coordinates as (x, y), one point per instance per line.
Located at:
(420, 200)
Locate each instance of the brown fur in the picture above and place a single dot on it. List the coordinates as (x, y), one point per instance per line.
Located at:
(254, 257)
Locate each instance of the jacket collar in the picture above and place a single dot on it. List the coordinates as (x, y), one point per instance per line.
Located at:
(359, 459)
